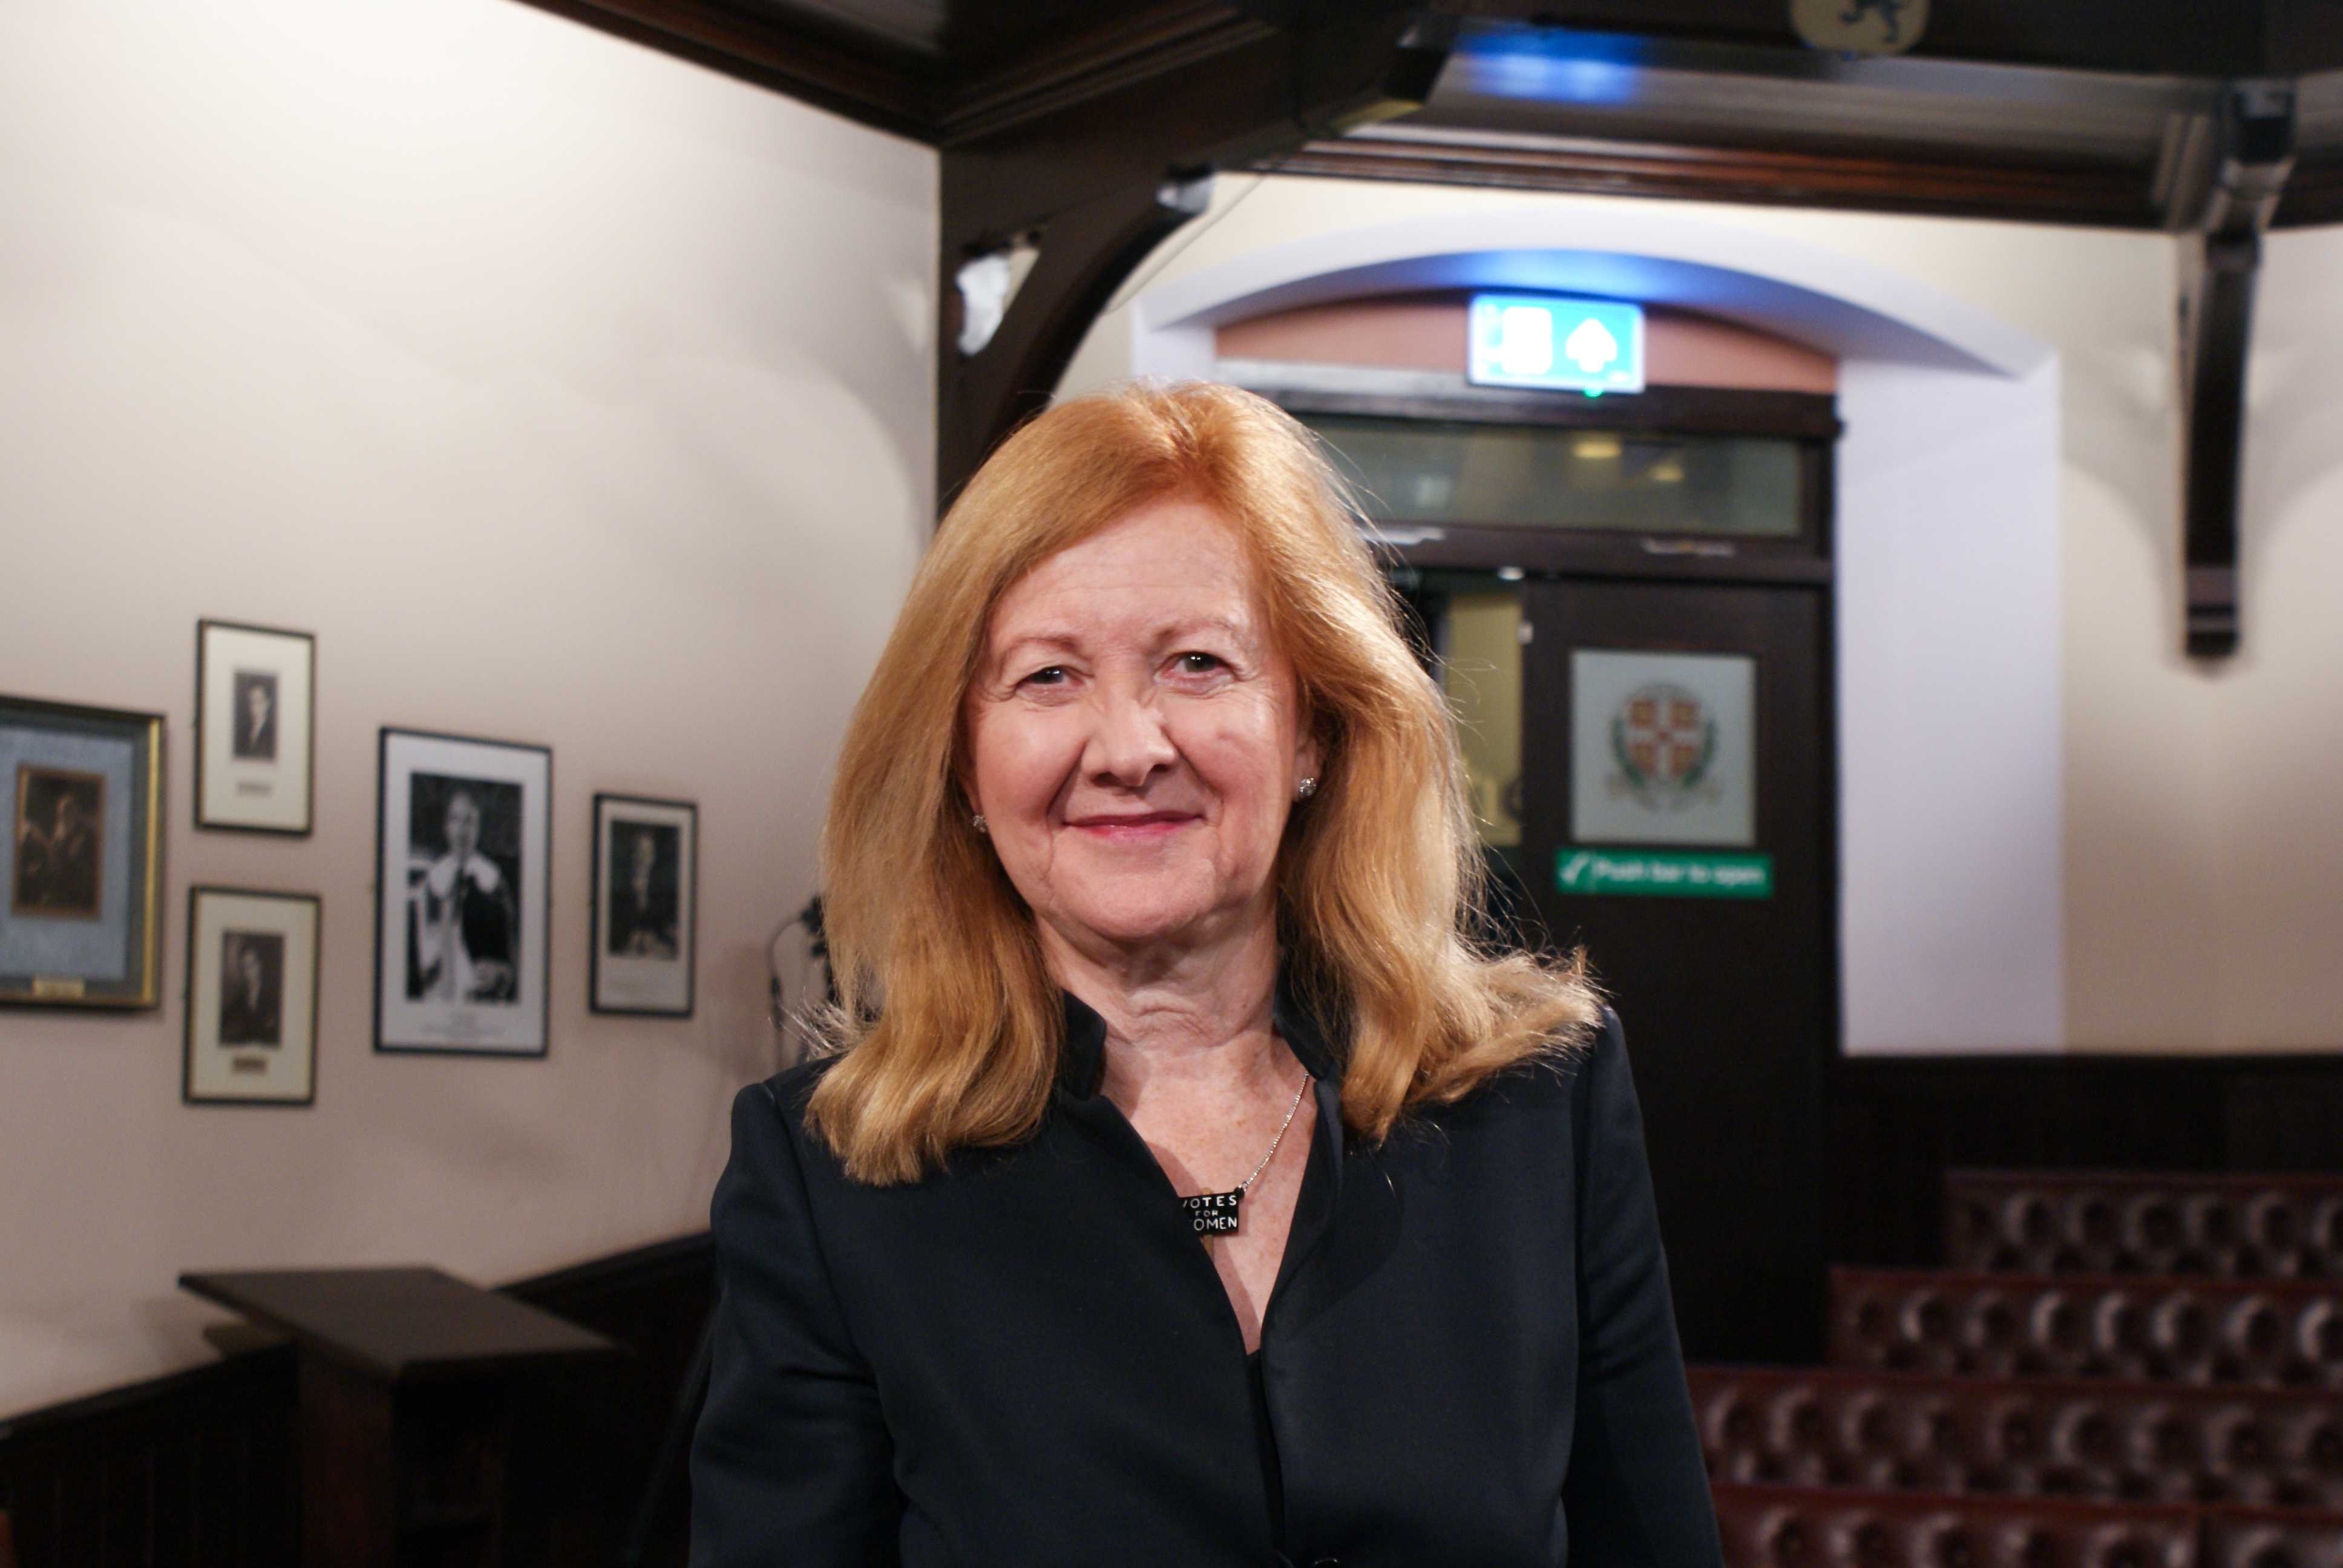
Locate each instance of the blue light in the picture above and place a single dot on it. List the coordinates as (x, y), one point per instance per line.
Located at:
(1555, 342)
(1551, 64)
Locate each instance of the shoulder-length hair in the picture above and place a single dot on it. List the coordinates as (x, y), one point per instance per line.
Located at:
(949, 1023)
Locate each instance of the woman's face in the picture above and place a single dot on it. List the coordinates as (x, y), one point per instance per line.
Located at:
(1134, 738)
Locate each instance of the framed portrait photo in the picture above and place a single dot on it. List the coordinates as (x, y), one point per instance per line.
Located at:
(252, 998)
(645, 905)
(463, 848)
(81, 868)
(255, 705)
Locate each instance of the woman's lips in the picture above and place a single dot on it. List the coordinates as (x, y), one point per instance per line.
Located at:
(1134, 829)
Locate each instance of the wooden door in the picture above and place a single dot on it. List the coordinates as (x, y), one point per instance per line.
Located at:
(1677, 820)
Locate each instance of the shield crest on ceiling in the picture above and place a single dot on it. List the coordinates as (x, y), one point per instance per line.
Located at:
(1860, 26)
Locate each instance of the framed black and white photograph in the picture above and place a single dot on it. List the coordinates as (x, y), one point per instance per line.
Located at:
(252, 998)
(81, 870)
(463, 847)
(645, 905)
(255, 706)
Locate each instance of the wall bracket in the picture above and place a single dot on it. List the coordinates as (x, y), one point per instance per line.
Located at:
(1096, 183)
(2253, 154)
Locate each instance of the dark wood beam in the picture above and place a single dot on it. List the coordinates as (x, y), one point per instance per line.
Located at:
(1141, 44)
(2255, 153)
(910, 94)
(1254, 92)
(2141, 37)
(2092, 195)
(890, 95)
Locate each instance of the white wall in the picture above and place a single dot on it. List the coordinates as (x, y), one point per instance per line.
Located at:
(2202, 840)
(571, 394)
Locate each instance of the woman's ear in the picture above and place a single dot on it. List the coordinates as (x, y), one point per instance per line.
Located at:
(1309, 754)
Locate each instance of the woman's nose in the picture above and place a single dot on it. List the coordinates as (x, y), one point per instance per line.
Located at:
(1129, 742)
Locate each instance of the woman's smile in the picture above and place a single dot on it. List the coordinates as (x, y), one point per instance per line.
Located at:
(1133, 828)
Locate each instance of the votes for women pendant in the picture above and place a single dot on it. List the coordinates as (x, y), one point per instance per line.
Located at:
(1213, 1213)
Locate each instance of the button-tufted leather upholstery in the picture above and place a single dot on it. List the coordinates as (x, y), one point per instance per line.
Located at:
(2280, 1334)
(2033, 1437)
(2124, 1222)
(1797, 1527)
(2270, 1538)
(1787, 1527)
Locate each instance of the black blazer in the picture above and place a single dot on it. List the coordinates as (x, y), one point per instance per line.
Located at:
(1027, 1360)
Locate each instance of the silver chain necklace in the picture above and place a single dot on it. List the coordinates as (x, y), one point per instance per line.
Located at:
(1218, 1213)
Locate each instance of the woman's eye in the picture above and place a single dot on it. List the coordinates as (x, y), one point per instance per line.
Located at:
(1198, 664)
(1054, 675)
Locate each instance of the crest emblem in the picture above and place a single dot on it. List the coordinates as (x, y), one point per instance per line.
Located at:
(1860, 26)
(1663, 738)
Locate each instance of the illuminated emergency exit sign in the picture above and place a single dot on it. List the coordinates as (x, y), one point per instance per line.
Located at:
(1551, 341)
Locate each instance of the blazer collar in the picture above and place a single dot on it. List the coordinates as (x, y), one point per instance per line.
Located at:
(1082, 1059)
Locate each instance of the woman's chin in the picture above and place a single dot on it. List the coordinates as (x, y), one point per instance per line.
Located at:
(1144, 922)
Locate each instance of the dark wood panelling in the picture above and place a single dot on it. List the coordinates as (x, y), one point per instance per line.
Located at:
(584, 1441)
(1896, 1124)
(197, 1469)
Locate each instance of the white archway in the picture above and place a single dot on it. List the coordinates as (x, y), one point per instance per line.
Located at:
(1947, 610)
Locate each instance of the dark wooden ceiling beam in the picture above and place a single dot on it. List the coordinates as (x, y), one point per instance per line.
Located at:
(1256, 93)
(2144, 37)
(1139, 46)
(888, 95)
(2086, 194)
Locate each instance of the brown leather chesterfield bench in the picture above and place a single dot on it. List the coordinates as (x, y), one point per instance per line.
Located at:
(2106, 1440)
(2270, 1538)
(2126, 1222)
(2286, 1333)
(1792, 1527)
(1798, 1527)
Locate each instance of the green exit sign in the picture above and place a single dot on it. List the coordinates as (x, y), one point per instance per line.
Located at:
(1664, 875)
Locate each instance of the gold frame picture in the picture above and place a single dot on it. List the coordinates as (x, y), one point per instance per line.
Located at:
(81, 923)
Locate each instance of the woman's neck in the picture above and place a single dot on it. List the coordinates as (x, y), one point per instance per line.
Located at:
(1180, 1022)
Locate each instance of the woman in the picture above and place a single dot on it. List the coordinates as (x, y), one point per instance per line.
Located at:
(1186, 1189)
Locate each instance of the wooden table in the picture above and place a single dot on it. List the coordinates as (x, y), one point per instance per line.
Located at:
(405, 1413)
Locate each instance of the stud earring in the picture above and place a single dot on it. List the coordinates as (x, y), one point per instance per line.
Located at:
(977, 822)
(1306, 789)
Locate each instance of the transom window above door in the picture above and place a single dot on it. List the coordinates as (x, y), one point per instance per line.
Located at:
(1431, 471)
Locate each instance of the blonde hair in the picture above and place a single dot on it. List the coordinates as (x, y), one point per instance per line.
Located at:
(949, 1023)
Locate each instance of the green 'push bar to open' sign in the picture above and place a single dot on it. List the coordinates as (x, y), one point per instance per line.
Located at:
(1664, 875)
